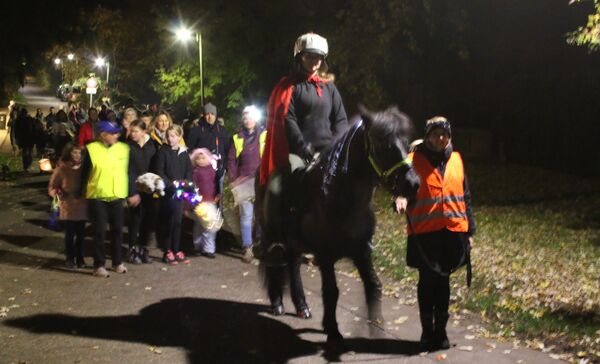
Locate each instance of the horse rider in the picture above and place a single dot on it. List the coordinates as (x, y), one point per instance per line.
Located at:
(305, 114)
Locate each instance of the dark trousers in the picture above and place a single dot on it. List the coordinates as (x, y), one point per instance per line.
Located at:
(142, 220)
(169, 230)
(433, 292)
(102, 213)
(74, 235)
(26, 155)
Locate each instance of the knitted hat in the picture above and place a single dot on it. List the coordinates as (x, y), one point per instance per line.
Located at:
(437, 122)
(210, 109)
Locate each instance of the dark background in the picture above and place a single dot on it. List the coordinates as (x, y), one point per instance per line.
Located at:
(503, 67)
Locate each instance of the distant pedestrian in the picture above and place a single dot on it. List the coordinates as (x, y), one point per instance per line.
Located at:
(87, 132)
(14, 113)
(440, 228)
(105, 186)
(205, 180)
(50, 118)
(129, 115)
(65, 183)
(25, 137)
(172, 164)
(62, 132)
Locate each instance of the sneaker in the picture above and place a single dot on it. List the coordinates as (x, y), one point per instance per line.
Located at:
(101, 272)
(121, 268)
(80, 262)
(248, 255)
(180, 257)
(133, 256)
(70, 263)
(169, 258)
(208, 255)
(145, 256)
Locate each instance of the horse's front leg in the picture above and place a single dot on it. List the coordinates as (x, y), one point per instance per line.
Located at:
(296, 287)
(373, 289)
(330, 298)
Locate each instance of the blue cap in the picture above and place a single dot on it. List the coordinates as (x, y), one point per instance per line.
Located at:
(108, 127)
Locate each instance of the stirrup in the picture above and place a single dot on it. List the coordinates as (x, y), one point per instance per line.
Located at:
(276, 255)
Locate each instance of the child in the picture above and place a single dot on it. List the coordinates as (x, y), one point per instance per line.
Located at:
(172, 164)
(205, 180)
(65, 183)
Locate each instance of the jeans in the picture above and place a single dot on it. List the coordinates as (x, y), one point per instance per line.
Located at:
(246, 216)
(74, 235)
(204, 240)
(102, 213)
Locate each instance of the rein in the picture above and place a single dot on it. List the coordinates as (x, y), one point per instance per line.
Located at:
(378, 170)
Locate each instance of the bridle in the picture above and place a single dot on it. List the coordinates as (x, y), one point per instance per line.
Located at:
(383, 174)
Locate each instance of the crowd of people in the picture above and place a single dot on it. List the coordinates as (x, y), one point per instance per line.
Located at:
(102, 156)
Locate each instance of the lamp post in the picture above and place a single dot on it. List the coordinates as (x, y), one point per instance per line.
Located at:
(100, 62)
(183, 35)
(57, 63)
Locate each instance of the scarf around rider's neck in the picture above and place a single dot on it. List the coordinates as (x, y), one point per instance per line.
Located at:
(317, 81)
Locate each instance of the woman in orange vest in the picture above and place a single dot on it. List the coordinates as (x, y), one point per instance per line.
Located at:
(440, 227)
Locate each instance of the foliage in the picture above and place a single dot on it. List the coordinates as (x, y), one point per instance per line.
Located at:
(535, 258)
(588, 35)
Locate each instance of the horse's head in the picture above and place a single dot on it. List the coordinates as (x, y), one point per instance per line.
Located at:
(386, 137)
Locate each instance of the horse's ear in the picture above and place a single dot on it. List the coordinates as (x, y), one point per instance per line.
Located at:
(366, 115)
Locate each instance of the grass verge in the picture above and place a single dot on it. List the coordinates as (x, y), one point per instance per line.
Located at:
(535, 261)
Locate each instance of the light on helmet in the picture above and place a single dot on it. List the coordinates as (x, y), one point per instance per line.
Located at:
(252, 112)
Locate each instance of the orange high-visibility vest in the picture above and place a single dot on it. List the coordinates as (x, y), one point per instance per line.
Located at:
(440, 202)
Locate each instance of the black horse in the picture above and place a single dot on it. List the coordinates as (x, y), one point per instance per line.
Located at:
(334, 217)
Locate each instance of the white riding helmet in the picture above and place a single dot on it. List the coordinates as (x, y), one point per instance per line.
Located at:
(311, 43)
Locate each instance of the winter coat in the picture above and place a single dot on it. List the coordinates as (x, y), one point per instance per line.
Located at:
(25, 131)
(140, 161)
(68, 179)
(172, 165)
(212, 137)
(205, 179)
(244, 163)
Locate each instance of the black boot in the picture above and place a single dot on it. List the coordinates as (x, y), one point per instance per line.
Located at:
(427, 338)
(441, 338)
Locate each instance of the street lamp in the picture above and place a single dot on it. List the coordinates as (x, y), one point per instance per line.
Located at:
(184, 35)
(70, 56)
(101, 62)
(57, 61)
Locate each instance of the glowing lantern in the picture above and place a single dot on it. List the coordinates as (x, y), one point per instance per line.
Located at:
(45, 165)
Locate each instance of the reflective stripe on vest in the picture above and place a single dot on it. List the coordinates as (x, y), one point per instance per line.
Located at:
(440, 202)
(108, 178)
(238, 142)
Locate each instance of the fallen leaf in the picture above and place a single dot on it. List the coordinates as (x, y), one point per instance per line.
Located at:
(401, 320)
(148, 288)
(245, 274)
(223, 286)
(465, 348)
(441, 357)
(470, 337)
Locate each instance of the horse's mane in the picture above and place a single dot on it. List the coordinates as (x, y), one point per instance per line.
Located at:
(389, 122)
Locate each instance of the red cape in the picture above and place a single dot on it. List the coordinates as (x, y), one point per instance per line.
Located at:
(276, 152)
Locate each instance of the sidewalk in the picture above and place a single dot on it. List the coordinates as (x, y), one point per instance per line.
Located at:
(211, 311)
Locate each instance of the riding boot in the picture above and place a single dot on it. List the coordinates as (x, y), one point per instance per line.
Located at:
(441, 337)
(427, 337)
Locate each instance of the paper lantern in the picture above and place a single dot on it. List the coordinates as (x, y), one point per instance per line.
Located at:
(45, 165)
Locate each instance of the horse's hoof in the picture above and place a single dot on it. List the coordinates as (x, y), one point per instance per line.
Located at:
(335, 344)
(277, 310)
(304, 313)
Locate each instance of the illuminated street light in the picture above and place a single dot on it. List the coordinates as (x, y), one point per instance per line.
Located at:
(100, 62)
(70, 56)
(57, 61)
(184, 35)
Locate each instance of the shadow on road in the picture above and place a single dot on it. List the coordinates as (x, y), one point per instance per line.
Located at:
(210, 330)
